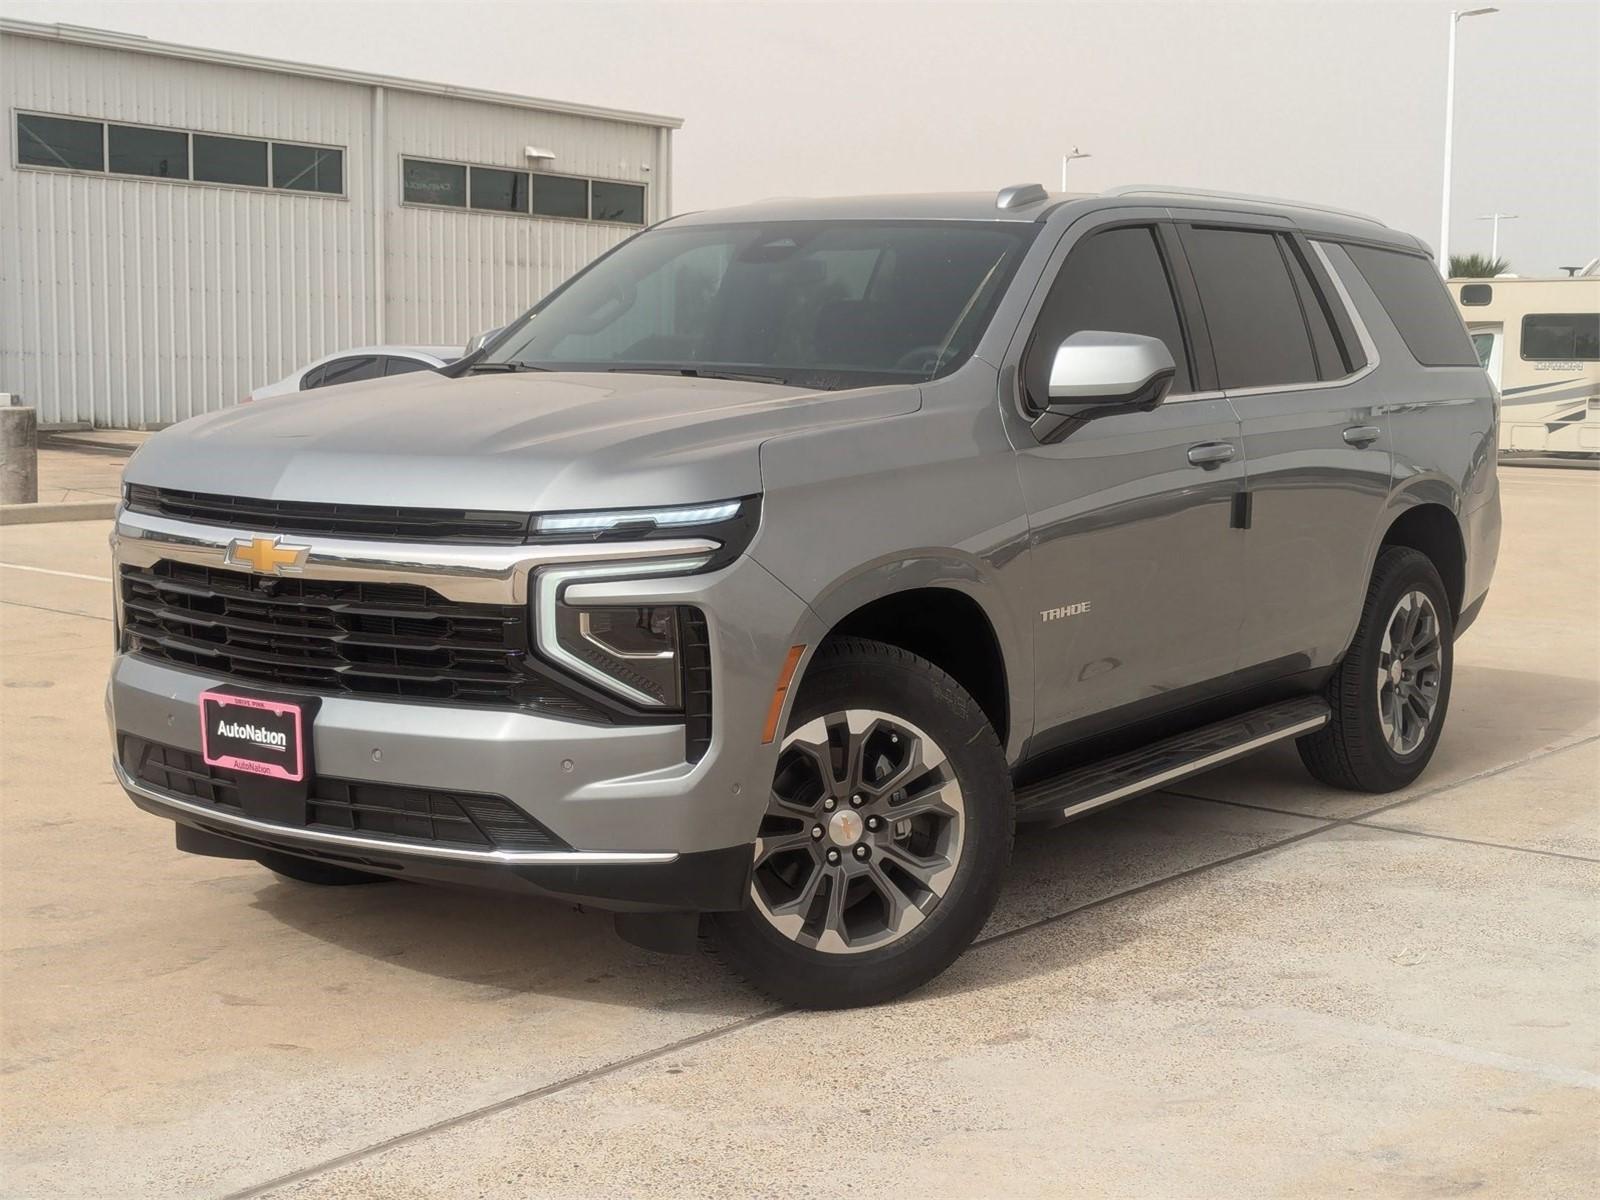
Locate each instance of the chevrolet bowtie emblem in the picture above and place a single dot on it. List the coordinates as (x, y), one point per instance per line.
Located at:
(266, 556)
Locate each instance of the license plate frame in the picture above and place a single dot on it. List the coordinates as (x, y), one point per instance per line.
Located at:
(244, 739)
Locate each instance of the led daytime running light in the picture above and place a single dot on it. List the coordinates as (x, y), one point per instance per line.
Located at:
(661, 518)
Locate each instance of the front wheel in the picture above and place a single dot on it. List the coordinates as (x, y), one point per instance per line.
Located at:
(1390, 693)
(885, 839)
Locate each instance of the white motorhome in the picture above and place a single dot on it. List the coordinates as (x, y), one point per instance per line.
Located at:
(1539, 339)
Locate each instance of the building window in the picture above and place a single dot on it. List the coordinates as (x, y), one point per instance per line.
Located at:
(59, 142)
(499, 191)
(159, 153)
(502, 190)
(560, 196)
(622, 202)
(176, 154)
(230, 160)
(307, 168)
(434, 183)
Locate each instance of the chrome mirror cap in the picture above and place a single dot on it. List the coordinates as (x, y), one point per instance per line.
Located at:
(1098, 367)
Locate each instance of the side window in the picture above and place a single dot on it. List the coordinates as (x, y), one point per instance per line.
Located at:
(1114, 281)
(1476, 295)
(348, 370)
(1411, 292)
(1561, 336)
(1332, 360)
(1483, 344)
(313, 377)
(404, 366)
(1253, 308)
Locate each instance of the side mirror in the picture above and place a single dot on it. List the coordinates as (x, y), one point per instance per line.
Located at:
(1098, 374)
(482, 340)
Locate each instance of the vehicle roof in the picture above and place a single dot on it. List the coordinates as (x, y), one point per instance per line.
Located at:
(983, 206)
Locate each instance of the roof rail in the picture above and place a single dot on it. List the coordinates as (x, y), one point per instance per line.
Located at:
(1144, 189)
(1020, 195)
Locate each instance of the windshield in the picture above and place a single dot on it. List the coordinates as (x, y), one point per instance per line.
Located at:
(819, 304)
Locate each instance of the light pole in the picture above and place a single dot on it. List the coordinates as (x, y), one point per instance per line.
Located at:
(1065, 159)
(1494, 238)
(1449, 132)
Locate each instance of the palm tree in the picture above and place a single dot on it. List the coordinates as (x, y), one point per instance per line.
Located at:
(1477, 266)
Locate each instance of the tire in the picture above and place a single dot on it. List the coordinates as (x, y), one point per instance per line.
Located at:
(1358, 749)
(309, 870)
(932, 834)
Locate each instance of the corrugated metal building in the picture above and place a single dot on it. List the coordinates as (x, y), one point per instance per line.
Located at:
(178, 226)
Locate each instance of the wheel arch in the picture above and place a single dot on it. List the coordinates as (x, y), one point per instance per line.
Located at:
(945, 611)
(1430, 526)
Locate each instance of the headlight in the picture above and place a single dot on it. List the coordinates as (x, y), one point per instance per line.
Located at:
(630, 652)
(639, 654)
(636, 649)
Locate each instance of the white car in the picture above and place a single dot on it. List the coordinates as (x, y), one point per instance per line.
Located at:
(364, 362)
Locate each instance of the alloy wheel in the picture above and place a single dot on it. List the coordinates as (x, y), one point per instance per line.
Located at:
(862, 834)
(1410, 670)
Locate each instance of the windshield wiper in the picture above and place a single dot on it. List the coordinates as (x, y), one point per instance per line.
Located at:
(701, 373)
(504, 366)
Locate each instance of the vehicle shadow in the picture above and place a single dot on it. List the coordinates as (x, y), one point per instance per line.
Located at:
(510, 946)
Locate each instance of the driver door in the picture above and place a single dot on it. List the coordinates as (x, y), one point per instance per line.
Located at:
(1138, 590)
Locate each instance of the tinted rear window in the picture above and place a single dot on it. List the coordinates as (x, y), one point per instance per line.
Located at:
(1414, 297)
(1258, 330)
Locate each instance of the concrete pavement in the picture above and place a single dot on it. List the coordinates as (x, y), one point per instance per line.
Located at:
(1256, 987)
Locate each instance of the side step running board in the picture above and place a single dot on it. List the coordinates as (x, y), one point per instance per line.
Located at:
(1160, 763)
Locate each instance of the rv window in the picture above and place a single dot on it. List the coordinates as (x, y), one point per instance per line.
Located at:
(1476, 295)
(1561, 336)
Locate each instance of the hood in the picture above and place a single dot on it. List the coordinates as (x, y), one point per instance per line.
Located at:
(521, 442)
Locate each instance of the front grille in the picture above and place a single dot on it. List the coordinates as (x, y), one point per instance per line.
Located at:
(336, 637)
(371, 522)
(351, 806)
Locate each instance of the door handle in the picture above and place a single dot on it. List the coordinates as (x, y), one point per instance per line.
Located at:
(1362, 435)
(1210, 454)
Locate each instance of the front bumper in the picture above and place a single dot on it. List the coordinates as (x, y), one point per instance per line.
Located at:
(646, 827)
(708, 881)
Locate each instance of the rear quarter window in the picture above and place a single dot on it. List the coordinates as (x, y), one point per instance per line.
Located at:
(1414, 296)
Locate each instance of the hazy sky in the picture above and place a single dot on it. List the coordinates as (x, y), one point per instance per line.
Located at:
(1341, 103)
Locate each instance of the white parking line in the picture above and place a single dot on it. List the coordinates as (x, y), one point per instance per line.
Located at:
(63, 574)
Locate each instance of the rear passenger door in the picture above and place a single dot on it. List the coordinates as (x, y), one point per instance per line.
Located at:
(1317, 458)
(1136, 571)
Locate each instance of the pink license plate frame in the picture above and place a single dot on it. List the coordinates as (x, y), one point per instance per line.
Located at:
(234, 762)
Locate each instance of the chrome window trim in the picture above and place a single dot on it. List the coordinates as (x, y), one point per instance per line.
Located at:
(550, 581)
(370, 845)
(1368, 346)
(461, 573)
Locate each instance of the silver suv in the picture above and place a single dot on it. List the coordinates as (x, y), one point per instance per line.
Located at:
(759, 582)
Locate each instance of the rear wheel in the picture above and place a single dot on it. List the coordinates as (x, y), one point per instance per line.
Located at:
(1390, 694)
(887, 831)
(310, 870)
